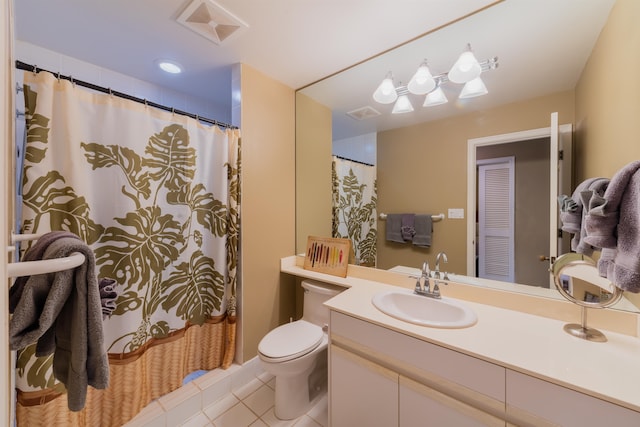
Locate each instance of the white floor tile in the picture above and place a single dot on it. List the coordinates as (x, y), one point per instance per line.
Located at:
(265, 377)
(272, 421)
(261, 400)
(306, 421)
(221, 406)
(246, 389)
(200, 420)
(320, 411)
(238, 416)
(272, 383)
(258, 423)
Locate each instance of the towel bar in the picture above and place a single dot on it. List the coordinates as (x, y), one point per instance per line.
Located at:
(438, 217)
(30, 268)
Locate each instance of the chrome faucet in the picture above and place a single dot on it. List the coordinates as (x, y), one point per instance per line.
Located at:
(436, 274)
(425, 288)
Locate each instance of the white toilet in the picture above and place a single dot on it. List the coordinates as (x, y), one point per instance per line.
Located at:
(296, 353)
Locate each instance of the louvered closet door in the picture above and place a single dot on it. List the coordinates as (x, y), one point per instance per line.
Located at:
(496, 198)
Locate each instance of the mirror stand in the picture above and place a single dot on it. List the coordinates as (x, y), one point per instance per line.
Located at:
(572, 269)
(581, 330)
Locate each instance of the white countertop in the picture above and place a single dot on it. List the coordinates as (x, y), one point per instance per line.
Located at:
(526, 343)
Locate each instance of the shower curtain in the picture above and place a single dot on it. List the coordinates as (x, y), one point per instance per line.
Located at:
(157, 197)
(354, 207)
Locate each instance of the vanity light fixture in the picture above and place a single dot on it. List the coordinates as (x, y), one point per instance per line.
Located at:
(386, 92)
(403, 104)
(170, 67)
(473, 88)
(466, 70)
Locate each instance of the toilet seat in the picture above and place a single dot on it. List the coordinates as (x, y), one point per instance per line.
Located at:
(290, 341)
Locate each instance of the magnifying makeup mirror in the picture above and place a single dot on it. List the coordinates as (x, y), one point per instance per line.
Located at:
(576, 277)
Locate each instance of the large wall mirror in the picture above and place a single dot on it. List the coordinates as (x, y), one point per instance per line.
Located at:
(542, 49)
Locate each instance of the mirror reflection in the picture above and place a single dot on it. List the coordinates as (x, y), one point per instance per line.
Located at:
(421, 157)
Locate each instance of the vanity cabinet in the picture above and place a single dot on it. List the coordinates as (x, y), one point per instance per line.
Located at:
(380, 377)
(535, 402)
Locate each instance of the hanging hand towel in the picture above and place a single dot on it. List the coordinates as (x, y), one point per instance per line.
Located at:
(613, 222)
(394, 228)
(407, 229)
(424, 230)
(62, 312)
(573, 211)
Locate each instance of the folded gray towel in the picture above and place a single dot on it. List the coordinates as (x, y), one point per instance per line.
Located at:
(407, 228)
(393, 232)
(613, 222)
(424, 230)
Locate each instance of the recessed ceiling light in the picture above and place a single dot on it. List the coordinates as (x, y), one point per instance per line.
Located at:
(169, 66)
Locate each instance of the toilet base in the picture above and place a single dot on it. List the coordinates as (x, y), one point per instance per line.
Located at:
(296, 394)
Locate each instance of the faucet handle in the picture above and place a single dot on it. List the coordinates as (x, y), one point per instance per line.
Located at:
(418, 287)
(425, 269)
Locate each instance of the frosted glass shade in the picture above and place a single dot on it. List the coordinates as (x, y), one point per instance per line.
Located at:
(422, 81)
(386, 92)
(473, 88)
(435, 97)
(465, 69)
(403, 105)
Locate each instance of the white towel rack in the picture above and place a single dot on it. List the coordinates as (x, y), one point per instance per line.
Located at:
(438, 217)
(29, 268)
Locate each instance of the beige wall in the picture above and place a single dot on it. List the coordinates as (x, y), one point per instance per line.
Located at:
(608, 100)
(313, 174)
(608, 97)
(268, 205)
(423, 169)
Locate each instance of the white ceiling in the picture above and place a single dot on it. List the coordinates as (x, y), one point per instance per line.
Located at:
(293, 41)
(298, 42)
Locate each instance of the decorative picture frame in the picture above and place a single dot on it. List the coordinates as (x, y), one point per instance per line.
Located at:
(327, 255)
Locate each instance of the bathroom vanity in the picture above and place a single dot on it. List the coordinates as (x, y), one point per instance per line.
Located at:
(510, 368)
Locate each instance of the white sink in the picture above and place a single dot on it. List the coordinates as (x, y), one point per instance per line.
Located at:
(404, 305)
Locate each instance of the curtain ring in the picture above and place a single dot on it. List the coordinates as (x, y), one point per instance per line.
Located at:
(35, 70)
(73, 83)
(146, 104)
(58, 76)
(173, 111)
(110, 92)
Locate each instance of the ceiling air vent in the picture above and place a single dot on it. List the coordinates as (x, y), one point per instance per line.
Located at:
(363, 113)
(212, 21)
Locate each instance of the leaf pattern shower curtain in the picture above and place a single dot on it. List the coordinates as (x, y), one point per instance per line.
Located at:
(354, 207)
(156, 196)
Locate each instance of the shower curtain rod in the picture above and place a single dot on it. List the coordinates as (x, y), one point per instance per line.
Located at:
(27, 67)
(354, 161)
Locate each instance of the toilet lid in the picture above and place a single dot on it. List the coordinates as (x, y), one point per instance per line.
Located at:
(291, 340)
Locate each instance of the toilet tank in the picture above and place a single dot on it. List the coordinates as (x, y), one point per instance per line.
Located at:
(315, 294)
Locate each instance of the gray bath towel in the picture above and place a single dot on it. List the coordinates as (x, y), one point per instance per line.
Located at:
(62, 312)
(407, 228)
(424, 231)
(573, 211)
(613, 222)
(394, 228)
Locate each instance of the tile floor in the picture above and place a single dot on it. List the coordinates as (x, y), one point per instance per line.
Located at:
(252, 405)
(241, 396)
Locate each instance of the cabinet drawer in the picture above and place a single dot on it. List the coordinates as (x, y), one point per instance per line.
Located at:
(436, 363)
(556, 405)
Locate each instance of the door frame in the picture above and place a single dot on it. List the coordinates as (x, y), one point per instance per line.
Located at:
(472, 144)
